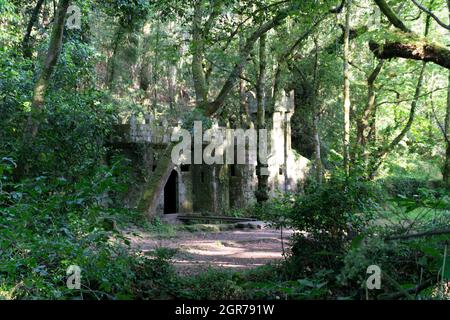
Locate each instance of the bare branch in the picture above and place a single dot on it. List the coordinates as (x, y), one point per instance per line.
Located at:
(430, 13)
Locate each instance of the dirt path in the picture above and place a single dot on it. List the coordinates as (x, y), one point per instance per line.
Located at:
(234, 249)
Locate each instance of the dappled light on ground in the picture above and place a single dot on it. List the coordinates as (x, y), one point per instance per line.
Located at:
(234, 250)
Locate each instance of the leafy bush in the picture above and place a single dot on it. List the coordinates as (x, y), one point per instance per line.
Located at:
(263, 283)
(326, 217)
(334, 209)
(49, 224)
(407, 187)
(404, 264)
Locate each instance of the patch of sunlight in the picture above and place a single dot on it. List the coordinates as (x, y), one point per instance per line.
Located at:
(259, 255)
(6, 293)
(210, 252)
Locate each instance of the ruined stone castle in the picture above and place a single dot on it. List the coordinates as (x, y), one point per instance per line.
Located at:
(213, 189)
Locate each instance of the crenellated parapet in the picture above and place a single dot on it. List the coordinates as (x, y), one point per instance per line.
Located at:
(148, 131)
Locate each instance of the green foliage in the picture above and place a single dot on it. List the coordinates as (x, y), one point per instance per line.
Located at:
(262, 283)
(408, 187)
(48, 224)
(336, 207)
(341, 226)
(129, 12)
(332, 209)
(405, 262)
(69, 208)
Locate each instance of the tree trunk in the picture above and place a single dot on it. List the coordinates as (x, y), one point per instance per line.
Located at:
(316, 116)
(365, 124)
(157, 180)
(26, 46)
(410, 48)
(392, 17)
(112, 63)
(378, 158)
(155, 77)
(198, 73)
(347, 104)
(262, 194)
(317, 153)
(446, 171)
(40, 88)
(245, 120)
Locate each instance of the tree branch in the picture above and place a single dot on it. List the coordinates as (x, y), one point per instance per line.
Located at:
(392, 17)
(419, 234)
(212, 107)
(383, 151)
(430, 13)
(416, 290)
(412, 48)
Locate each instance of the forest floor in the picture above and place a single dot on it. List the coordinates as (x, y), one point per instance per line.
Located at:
(229, 250)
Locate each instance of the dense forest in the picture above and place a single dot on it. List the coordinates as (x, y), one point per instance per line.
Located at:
(370, 86)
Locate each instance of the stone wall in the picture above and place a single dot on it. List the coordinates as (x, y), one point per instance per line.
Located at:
(216, 189)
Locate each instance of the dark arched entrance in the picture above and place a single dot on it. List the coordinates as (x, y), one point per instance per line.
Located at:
(171, 194)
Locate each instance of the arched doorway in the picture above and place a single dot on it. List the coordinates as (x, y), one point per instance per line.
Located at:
(171, 194)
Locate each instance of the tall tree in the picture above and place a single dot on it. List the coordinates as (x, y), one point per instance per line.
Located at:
(208, 108)
(366, 121)
(446, 171)
(347, 103)
(316, 116)
(382, 152)
(262, 191)
(26, 45)
(41, 86)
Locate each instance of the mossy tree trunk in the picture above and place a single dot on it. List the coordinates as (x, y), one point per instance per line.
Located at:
(366, 121)
(157, 180)
(408, 44)
(40, 88)
(262, 193)
(316, 116)
(446, 171)
(26, 45)
(347, 104)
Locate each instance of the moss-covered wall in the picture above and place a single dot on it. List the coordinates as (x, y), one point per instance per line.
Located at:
(202, 187)
(186, 191)
(205, 188)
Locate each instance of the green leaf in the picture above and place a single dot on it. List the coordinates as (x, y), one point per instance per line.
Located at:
(356, 242)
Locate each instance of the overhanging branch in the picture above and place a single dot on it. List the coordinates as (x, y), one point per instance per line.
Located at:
(410, 48)
(430, 13)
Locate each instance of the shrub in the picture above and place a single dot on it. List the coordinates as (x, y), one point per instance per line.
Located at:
(49, 224)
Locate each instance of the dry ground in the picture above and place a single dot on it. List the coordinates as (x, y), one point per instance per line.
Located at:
(233, 249)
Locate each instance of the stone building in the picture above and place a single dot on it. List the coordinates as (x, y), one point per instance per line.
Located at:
(217, 188)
